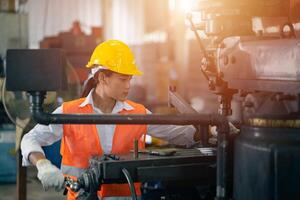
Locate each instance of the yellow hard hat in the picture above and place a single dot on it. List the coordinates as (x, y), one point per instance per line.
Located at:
(116, 56)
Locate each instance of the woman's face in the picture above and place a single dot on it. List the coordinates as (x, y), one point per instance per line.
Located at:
(117, 86)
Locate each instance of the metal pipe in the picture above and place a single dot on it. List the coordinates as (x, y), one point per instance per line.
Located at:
(194, 29)
(180, 104)
(204, 132)
(136, 148)
(221, 193)
(180, 119)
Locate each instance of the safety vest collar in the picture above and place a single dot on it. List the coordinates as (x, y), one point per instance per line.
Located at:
(119, 106)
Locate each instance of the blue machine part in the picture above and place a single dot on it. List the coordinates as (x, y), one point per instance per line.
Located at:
(8, 163)
(52, 153)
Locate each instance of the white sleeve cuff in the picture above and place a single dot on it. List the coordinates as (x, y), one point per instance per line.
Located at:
(31, 146)
(190, 131)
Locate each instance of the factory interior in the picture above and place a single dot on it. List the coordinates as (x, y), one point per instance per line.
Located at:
(150, 99)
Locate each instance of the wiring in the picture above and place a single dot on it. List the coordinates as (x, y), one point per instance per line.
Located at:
(5, 107)
(11, 118)
(130, 183)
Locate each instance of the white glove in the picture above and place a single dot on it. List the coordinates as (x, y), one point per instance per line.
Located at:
(232, 130)
(50, 175)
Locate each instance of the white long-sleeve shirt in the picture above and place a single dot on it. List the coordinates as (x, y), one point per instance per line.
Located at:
(42, 135)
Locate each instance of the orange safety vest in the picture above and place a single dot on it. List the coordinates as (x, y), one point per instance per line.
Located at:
(81, 141)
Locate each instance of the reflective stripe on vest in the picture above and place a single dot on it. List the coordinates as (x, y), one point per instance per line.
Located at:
(71, 171)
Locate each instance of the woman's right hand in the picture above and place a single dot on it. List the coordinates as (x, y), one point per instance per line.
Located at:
(50, 175)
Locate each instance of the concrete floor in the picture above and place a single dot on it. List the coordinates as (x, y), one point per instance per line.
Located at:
(35, 190)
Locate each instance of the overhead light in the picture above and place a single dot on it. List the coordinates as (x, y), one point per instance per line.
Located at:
(183, 5)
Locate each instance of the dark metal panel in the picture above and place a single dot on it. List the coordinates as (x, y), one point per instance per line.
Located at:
(35, 70)
(139, 168)
(266, 164)
(196, 171)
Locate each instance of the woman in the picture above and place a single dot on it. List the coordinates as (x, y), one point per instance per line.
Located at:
(112, 67)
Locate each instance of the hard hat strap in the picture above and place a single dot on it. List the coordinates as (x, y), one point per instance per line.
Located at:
(94, 70)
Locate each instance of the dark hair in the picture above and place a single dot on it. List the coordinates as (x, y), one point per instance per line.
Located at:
(93, 81)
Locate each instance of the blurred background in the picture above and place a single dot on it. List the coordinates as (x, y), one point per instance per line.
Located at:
(164, 47)
(156, 30)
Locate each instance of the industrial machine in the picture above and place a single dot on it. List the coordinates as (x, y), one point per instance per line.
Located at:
(251, 53)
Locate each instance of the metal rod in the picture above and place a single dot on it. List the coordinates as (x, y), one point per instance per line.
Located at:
(204, 132)
(36, 100)
(179, 103)
(183, 119)
(136, 148)
(194, 29)
(21, 178)
(221, 193)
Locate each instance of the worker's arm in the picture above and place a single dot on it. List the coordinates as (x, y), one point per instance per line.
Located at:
(34, 157)
(174, 134)
(37, 137)
(42, 135)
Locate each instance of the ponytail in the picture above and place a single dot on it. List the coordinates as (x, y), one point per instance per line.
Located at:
(92, 82)
(89, 84)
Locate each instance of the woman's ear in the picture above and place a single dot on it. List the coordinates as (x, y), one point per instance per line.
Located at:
(102, 78)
